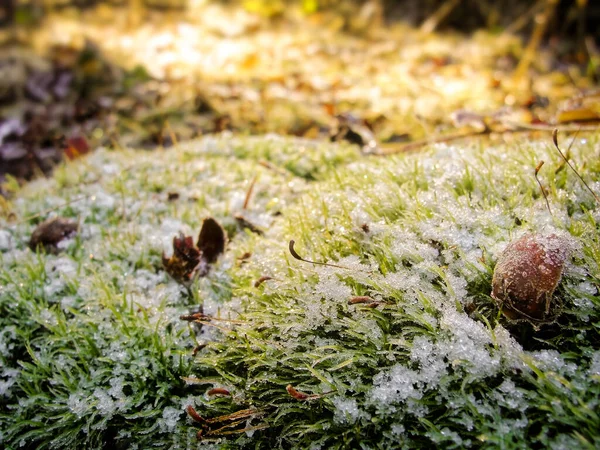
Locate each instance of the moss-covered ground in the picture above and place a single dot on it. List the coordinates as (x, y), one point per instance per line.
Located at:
(93, 353)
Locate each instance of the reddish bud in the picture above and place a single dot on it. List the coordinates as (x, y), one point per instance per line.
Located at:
(526, 275)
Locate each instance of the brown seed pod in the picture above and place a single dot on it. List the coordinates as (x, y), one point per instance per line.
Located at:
(50, 232)
(360, 299)
(298, 395)
(261, 280)
(526, 275)
(218, 391)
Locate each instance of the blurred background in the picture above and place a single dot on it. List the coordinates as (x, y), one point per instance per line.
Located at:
(77, 74)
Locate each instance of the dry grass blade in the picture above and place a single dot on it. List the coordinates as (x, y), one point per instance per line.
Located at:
(360, 299)
(541, 21)
(438, 16)
(298, 395)
(201, 316)
(392, 149)
(172, 134)
(242, 430)
(568, 152)
(49, 210)
(555, 140)
(249, 192)
(194, 380)
(241, 414)
(537, 169)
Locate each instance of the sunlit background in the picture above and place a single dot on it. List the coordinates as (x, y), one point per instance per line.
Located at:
(78, 74)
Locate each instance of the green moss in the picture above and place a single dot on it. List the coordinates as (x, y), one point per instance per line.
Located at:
(94, 354)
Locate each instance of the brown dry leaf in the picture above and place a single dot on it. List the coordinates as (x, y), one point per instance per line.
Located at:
(75, 147)
(185, 260)
(50, 232)
(351, 129)
(246, 224)
(580, 114)
(464, 118)
(189, 260)
(585, 107)
(212, 240)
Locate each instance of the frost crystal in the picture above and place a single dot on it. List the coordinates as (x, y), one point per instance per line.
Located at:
(393, 386)
(78, 405)
(595, 364)
(7, 338)
(552, 360)
(170, 419)
(5, 240)
(347, 410)
(8, 378)
(105, 404)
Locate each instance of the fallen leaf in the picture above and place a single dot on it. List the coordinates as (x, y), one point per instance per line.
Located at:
(351, 129)
(581, 114)
(189, 260)
(211, 240)
(464, 118)
(50, 232)
(245, 223)
(185, 260)
(75, 147)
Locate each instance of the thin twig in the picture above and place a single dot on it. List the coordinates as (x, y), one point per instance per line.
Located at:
(541, 23)
(171, 133)
(391, 150)
(524, 18)
(546, 127)
(274, 168)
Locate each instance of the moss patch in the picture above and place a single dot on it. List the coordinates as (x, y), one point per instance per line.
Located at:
(94, 354)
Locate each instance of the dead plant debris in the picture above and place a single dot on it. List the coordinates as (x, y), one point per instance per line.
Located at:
(51, 232)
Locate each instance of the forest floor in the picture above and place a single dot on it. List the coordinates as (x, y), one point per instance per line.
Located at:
(119, 77)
